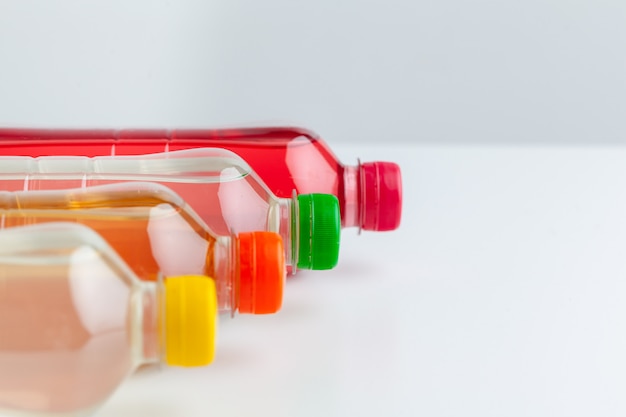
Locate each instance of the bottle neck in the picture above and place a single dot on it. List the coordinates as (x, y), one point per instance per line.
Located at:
(224, 271)
(148, 323)
(352, 210)
(174, 321)
(283, 219)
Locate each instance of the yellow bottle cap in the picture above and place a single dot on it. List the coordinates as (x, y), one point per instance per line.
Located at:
(190, 320)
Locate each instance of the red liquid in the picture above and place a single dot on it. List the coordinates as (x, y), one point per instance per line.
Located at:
(287, 159)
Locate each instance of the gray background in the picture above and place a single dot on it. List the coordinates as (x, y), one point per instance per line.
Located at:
(434, 71)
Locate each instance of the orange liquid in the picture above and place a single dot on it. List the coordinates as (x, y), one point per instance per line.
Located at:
(64, 339)
(152, 231)
(139, 227)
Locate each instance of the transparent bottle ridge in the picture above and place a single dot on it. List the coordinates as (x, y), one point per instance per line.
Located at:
(157, 233)
(286, 158)
(75, 320)
(219, 185)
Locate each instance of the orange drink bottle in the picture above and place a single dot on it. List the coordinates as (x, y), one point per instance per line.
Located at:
(156, 233)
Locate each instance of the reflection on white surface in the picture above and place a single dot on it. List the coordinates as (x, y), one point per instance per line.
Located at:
(502, 294)
(96, 289)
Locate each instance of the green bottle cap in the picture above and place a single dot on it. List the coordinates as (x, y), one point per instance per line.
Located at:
(320, 226)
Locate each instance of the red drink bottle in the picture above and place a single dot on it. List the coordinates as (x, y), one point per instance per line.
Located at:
(287, 159)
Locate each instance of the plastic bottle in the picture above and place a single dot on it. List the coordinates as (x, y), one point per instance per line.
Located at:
(75, 321)
(287, 159)
(219, 185)
(155, 232)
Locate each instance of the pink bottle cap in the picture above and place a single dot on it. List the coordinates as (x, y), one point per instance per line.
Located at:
(382, 196)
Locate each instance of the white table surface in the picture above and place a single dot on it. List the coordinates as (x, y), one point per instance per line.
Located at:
(502, 294)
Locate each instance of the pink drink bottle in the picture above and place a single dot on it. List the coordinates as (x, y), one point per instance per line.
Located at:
(220, 186)
(287, 159)
(75, 320)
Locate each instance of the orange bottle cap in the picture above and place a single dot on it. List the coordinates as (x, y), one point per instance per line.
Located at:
(261, 272)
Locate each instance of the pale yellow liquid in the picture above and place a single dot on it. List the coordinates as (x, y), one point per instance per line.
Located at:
(65, 343)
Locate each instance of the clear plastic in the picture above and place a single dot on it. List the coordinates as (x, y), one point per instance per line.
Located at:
(286, 158)
(220, 186)
(75, 320)
(147, 224)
